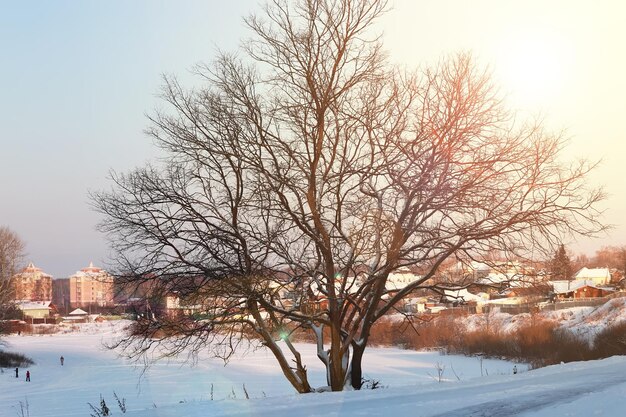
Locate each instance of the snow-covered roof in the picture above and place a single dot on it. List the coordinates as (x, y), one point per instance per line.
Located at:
(90, 271)
(78, 312)
(400, 279)
(565, 286)
(33, 305)
(32, 269)
(591, 273)
(462, 295)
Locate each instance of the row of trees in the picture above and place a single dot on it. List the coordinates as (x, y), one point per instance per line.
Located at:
(561, 265)
(308, 163)
(613, 257)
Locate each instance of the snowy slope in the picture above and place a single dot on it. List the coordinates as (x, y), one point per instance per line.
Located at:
(585, 321)
(174, 389)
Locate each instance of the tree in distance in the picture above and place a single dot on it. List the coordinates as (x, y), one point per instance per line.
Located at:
(561, 267)
(306, 170)
(11, 255)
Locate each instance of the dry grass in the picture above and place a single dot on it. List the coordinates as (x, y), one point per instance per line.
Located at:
(539, 342)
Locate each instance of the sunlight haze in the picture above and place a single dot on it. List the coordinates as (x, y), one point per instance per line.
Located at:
(78, 79)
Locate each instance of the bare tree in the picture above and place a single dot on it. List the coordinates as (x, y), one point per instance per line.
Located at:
(609, 257)
(315, 168)
(11, 255)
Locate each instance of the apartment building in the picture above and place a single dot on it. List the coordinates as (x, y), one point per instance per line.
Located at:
(32, 284)
(91, 286)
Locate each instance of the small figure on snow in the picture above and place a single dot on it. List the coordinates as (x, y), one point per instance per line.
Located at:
(514, 369)
(17, 373)
(27, 376)
(62, 360)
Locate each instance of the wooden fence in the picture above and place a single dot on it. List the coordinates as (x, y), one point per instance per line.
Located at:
(580, 302)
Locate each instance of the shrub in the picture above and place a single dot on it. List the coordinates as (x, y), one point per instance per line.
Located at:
(611, 341)
(14, 360)
(539, 342)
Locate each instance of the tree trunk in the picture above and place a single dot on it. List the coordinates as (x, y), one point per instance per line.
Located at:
(356, 371)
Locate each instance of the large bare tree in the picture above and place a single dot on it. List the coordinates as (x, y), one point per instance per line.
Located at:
(312, 166)
(11, 256)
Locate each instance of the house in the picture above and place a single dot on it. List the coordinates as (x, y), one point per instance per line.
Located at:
(599, 276)
(399, 279)
(77, 316)
(462, 296)
(591, 291)
(492, 275)
(173, 306)
(578, 289)
(35, 311)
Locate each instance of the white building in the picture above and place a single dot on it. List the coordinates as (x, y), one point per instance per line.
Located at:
(599, 276)
(401, 278)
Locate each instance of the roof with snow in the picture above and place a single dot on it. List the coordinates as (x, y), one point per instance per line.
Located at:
(91, 269)
(594, 273)
(564, 286)
(400, 279)
(33, 305)
(32, 269)
(78, 312)
(462, 295)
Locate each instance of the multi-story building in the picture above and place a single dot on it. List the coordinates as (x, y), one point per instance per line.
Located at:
(32, 284)
(91, 286)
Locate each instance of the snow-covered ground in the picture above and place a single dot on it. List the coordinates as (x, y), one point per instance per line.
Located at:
(173, 388)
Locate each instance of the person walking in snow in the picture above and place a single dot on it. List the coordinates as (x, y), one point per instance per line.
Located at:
(62, 360)
(27, 376)
(17, 373)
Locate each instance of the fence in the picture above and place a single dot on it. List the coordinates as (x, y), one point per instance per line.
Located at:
(510, 308)
(580, 302)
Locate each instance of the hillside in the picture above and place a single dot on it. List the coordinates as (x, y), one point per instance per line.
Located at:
(583, 321)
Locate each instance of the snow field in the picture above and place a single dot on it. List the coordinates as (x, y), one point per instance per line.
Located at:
(91, 370)
(174, 388)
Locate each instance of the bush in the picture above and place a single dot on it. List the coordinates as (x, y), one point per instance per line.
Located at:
(539, 342)
(14, 360)
(611, 341)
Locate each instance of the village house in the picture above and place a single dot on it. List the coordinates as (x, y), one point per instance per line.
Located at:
(36, 312)
(599, 276)
(566, 289)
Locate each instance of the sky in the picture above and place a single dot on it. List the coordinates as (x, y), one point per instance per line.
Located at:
(78, 78)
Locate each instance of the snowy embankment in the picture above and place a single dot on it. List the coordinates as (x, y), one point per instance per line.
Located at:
(582, 321)
(173, 388)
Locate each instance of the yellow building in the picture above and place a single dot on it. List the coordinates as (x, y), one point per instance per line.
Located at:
(91, 286)
(35, 310)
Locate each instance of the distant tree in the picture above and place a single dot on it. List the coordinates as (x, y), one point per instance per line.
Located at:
(613, 257)
(561, 266)
(579, 262)
(297, 183)
(11, 255)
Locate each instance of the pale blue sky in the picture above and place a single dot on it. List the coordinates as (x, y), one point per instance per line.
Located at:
(78, 77)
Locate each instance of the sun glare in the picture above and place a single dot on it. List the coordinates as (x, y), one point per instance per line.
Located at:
(533, 67)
